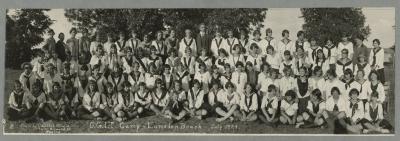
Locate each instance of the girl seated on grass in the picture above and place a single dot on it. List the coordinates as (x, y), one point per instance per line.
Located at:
(229, 107)
(90, 103)
(248, 104)
(17, 103)
(213, 95)
(269, 107)
(126, 104)
(109, 102)
(160, 99)
(196, 103)
(289, 108)
(177, 103)
(56, 106)
(316, 115)
(35, 102)
(143, 99)
(355, 110)
(373, 118)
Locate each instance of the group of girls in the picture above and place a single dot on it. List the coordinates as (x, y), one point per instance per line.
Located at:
(269, 80)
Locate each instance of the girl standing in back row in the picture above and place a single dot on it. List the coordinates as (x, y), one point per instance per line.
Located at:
(376, 59)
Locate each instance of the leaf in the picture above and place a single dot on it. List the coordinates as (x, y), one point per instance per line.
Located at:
(324, 23)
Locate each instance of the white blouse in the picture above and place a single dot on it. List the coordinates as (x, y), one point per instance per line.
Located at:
(348, 46)
(290, 109)
(229, 43)
(217, 44)
(184, 43)
(228, 99)
(379, 58)
(249, 103)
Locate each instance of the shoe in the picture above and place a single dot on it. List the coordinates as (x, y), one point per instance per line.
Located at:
(299, 124)
(353, 129)
(385, 131)
(219, 120)
(118, 119)
(231, 119)
(167, 116)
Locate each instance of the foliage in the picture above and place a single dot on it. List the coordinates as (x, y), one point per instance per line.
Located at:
(24, 29)
(147, 21)
(323, 23)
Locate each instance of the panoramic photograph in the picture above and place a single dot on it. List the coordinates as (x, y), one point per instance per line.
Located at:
(221, 71)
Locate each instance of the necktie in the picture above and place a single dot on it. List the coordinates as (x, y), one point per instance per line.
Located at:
(230, 44)
(269, 105)
(239, 78)
(215, 97)
(127, 99)
(36, 102)
(329, 52)
(374, 58)
(313, 54)
(27, 83)
(185, 61)
(353, 109)
(193, 99)
(99, 61)
(335, 108)
(287, 66)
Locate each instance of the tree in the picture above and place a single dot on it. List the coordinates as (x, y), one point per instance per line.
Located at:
(147, 21)
(24, 29)
(323, 23)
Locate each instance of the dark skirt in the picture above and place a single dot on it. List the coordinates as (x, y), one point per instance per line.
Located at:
(17, 115)
(303, 102)
(176, 109)
(221, 106)
(381, 75)
(338, 128)
(144, 106)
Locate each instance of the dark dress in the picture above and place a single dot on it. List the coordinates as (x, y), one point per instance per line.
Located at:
(303, 88)
(60, 50)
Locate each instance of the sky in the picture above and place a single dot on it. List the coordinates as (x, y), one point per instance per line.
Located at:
(380, 19)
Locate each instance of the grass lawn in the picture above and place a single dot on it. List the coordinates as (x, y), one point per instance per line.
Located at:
(155, 124)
